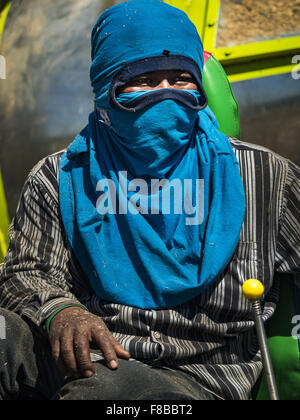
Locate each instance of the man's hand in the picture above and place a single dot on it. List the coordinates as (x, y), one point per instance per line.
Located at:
(72, 331)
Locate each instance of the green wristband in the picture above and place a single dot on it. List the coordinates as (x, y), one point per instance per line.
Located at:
(59, 310)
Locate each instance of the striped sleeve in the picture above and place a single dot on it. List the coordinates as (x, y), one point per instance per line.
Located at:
(35, 279)
(288, 242)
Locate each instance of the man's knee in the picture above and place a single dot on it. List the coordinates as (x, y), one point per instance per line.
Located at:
(26, 365)
(131, 381)
(12, 324)
(16, 339)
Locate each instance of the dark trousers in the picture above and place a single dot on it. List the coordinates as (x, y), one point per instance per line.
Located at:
(28, 371)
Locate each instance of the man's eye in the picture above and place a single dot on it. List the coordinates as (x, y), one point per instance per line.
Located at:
(143, 81)
(184, 79)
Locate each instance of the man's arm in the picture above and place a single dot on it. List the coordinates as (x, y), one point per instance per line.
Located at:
(36, 282)
(288, 242)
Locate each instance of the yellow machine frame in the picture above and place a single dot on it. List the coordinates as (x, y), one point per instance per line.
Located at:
(4, 219)
(249, 61)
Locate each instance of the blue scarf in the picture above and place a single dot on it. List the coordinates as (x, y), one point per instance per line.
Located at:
(152, 201)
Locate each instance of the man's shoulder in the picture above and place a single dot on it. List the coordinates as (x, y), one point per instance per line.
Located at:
(47, 166)
(44, 176)
(250, 147)
(245, 150)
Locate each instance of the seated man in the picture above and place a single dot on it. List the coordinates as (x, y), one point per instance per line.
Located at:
(128, 252)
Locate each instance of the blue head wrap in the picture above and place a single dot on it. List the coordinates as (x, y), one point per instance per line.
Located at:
(150, 191)
(147, 33)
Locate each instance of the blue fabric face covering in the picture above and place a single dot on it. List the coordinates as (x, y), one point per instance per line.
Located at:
(152, 201)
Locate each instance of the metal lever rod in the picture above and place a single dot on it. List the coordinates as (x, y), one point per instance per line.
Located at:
(253, 290)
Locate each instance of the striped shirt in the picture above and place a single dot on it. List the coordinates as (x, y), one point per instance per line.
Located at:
(212, 337)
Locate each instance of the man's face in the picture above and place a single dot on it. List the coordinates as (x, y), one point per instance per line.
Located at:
(175, 79)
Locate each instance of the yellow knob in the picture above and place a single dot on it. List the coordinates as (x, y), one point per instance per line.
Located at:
(253, 289)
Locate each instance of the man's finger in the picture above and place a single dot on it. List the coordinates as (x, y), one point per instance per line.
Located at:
(119, 349)
(82, 354)
(55, 348)
(67, 355)
(103, 342)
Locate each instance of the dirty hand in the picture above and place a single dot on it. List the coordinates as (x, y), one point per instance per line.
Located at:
(72, 331)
